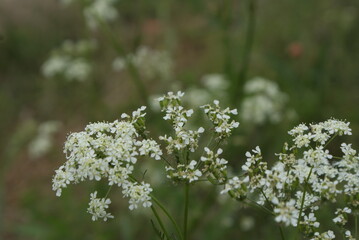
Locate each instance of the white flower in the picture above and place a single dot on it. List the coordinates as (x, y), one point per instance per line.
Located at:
(324, 236)
(215, 82)
(221, 119)
(178, 116)
(236, 186)
(139, 194)
(100, 10)
(97, 207)
(108, 150)
(184, 172)
(150, 63)
(213, 162)
(70, 61)
(43, 141)
(151, 148)
(286, 213)
(264, 102)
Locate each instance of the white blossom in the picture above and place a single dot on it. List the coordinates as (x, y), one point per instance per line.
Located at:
(150, 63)
(97, 207)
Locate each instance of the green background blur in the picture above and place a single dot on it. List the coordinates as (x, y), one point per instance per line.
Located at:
(309, 48)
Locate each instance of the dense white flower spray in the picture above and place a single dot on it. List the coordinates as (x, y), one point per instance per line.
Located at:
(108, 150)
(305, 176)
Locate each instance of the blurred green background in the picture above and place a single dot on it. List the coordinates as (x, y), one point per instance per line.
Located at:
(310, 49)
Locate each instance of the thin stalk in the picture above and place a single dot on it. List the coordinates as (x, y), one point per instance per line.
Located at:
(108, 191)
(160, 222)
(116, 44)
(168, 215)
(281, 233)
(160, 205)
(303, 197)
(280, 227)
(247, 52)
(256, 205)
(331, 139)
(356, 225)
(186, 204)
(226, 19)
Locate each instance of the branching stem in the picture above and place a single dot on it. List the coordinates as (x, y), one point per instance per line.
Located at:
(160, 222)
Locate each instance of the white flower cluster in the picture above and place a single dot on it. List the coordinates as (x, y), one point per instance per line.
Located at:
(178, 116)
(305, 175)
(341, 216)
(263, 102)
(108, 150)
(214, 86)
(97, 207)
(43, 141)
(319, 133)
(103, 10)
(286, 213)
(184, 172)
(97, 10)
(70, 61)
(151, 64)
(212, 162)
(221, 119)
(329, 235)
(185, 141)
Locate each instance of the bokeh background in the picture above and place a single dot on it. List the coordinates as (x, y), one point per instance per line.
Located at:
(307, 49)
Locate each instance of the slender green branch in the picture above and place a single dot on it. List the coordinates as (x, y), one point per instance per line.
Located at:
(331, 139)
(256, 205)
(164, 159)
(265, 197)
(160, 222)
(247, 52)
(118, 46)
(168, 215)
(281, 232)
(303, 197)
(186, 203)
(225, 15)
(163, 209)
(108, 191)
(280, 227)
(356, 226)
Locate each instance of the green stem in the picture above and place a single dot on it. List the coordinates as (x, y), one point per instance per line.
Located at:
(247, 51)
(225, 20)
(356, 226)
(280, 227)
(303, 198)
(160, 205)
(331, 139)
(160, 222)
(256, 205)
(108, 191)
(121, 51)
(186, 203)
(168, 215)
(281, 233)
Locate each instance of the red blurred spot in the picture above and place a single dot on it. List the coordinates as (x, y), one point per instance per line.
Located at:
(152, 27)
(295, 49)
